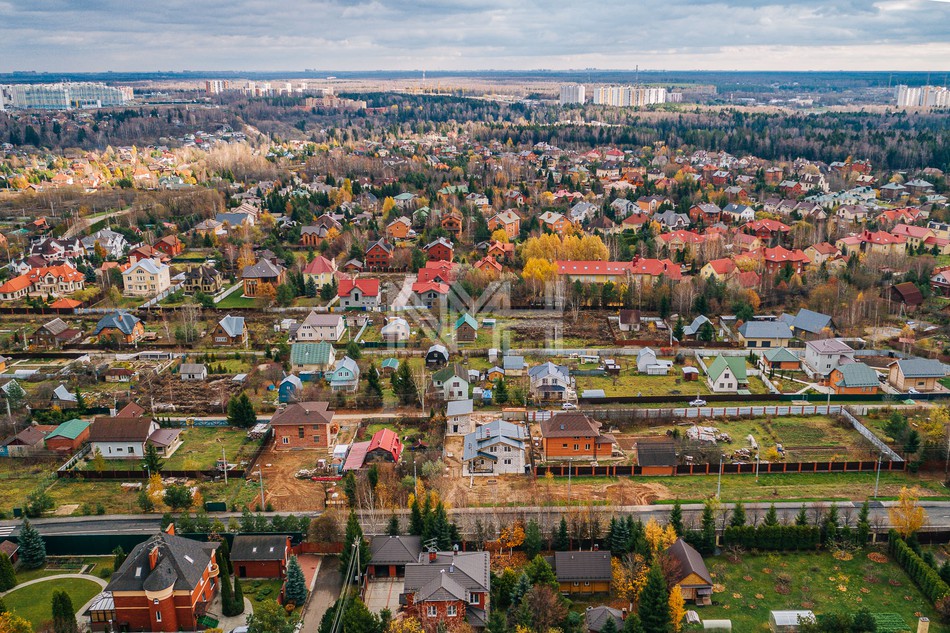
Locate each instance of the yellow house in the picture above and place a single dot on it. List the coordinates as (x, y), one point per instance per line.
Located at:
(692, 576)
(146, 278)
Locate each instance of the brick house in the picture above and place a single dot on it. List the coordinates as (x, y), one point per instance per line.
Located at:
(260, 555)
(230, 330)
(391, 554)
(165, 585)
(572, 435)
(68, 436)
(448, 587)
(304, 425)
(379, 255)
(440, 250)
(170, 245)
(121, 327)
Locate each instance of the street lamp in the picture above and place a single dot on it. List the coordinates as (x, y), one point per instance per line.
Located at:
(260, 473)
(877, 479)
(719, 483)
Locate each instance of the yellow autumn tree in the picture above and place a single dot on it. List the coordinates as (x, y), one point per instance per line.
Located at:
(405, 625)
(907, 517)
(538, 271)
(512, 537)
(155, 489)
(621, 582)
(659, 537)
(546, 246)
(267, 292)
(677, 608)
(389, 203)
(500, 235)
(934, 427)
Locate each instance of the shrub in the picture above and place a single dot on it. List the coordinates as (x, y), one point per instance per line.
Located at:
(923, 575)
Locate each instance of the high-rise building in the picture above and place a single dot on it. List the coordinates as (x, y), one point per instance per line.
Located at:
(217, 86)
(572, 94)
(922, 97)
(629, 96)
(62, 96)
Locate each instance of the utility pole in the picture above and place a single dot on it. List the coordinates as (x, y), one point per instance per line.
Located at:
(877, 480)
(225, 460)
(260, 472)
(719, 482)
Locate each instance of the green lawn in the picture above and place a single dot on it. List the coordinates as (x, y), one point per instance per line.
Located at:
(116, 500)
(33, 602)
(201, 448)
(261, 590)
(56, 565)
(235, 300)
(756, 585)
(629, 383)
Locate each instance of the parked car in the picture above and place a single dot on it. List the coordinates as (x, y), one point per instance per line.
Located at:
(698, 402)
(568, 406)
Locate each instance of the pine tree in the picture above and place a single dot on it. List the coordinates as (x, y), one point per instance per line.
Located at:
(393, 528)
(562, 541)
(532, 539)
(500, 395)
(771, 517)
(354, 534)
(296, 589)
(118, 557)
(654, 607)
(32, 547)
(738, 515)
(801, 519)
(708, 527)
(224, 557)
(416, 524)
(676, 518)
(64, 614)
(609, 626)
(227, 593)
(7, 575)
(633, 624)
(153, 462)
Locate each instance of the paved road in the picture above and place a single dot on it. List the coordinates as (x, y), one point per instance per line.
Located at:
(323, 594)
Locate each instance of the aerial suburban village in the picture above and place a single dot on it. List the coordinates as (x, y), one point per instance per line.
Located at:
(394, 363)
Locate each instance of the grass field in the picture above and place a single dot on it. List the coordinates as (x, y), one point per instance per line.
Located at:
(116, 500)
(631, 384)
(261, 590)
(201, 448)
(235, 300)
(18, 479)
(818, 582)
(33, 602)
(56, 565)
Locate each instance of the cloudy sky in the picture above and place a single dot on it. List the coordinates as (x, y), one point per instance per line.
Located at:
(264, 35)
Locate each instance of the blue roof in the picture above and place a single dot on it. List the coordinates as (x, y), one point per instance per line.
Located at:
(512, 362)
(765, 329)
(693, 328)
(120, 320)
(491, 434)
(811, 321)
(233, 325)
(391, 362)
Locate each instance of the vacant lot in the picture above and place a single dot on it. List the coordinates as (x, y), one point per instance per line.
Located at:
(18, 478)
(755, 585)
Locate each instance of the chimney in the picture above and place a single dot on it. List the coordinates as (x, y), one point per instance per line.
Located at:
(623, 613)
(432, 556)
(596, 547)
(153, 557)
(923, 625)
(170, 529)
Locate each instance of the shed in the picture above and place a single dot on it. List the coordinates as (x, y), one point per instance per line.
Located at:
(656, 455)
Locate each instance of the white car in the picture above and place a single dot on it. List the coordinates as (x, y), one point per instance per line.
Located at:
(912, 391)
(568, 406)
(698, 402)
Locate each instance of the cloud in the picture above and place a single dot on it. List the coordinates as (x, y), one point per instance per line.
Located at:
(96, 35)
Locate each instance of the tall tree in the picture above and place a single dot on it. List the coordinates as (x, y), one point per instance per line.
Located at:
(738, 515)
(238, 597)
(654, 607)
(354, 535)
(533, 541)
(771, 517)
(153, 462)
(227, 591)
(7, 575)
(676, 518)
(392, 528)
(562, 541)
(32, 547)
(64, 614)
(269, 617)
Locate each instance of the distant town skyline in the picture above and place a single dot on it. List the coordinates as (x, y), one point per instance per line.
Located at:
(261, 36)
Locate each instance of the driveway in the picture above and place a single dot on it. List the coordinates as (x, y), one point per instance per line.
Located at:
(323, 593)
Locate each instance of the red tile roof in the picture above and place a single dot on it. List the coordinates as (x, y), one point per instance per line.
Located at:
(369, 287)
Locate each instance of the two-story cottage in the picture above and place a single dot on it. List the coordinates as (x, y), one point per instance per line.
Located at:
(824, 355)
(319, 327)
(496, 448)
(344, 376)
(119, 327)
(451, 383)
(230, 330)
(126, 437)
(54, 334)
(448, 587)
(571, 435)
(304, 425)
(263, 272)
(205, 278)
(727, 374)
(440, 249)
(146, 277)
(549, 381)
(321, 270)
(316, 358)
(359, 294)
(379, 255)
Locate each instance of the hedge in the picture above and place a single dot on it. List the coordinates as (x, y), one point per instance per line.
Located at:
(923, 575)
(774, 537)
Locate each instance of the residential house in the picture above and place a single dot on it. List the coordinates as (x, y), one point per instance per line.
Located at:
(513, 366)
(496, 448)
(671, 220)
(554, 222)
(739, 212)
(112, 244)
(146, 278)
(312, 357)
(458, 417)
(118, 374)
(451, 222)
(507, 220)
(64, 398)
(676, 241)
(263, 272)
(319, 327)
(68, 437)
(727, 374)
(824, 355)
(503, 251)
(359, 294)
(596, 618)
(767, 230)
(379, 255)
(822, 252)
(344, 376)
(260, 555)
(489, 264)
(781, 359)
(854, 378)
(389, 555)
(171, 245)
(45, 281)
(448, 587)
(436, 356)
(451, 383)
(384, 447)
(764, 334)
(430, 294)
(629, 321)
(54, 334)
(921, 374)
(647, 363)
(779, 258)
(705, 213)
(321, 270)
(692, 577)
(205, 278)
(571, 435)
(440, 249)
(230, 330)
(550, 382)
(126, 437)
(583, 572)
(593, 272)
(119, 327)
(193, 371)
(164, 585)
(718, 269)
(907, 294)
(304, 425)
(289, 389)
(396, 330)
(26, 443)
(809, 325)
(466, 328)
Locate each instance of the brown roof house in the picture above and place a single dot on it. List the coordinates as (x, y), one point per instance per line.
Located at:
(126, 438)
(693, 578)
(571, 435)
(305, 425)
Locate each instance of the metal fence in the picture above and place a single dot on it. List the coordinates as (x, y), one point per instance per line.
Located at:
(871, 437)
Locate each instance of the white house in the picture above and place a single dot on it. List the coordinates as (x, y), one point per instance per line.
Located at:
(396, 331)
(727, 374)
(320, 327)
(496, 448)
(126, 438)
(146, 278)
(114, 244)
(549, 381)
(190, 371)
(647, 363)
(823, 355)
(450, 383)
(458, 417)
(360, 294)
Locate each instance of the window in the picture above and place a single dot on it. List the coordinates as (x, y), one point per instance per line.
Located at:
(451, 611)
(586, 447)
(473, 598)
(431, 611)
(576, 446)
(300, 432)
(587, 584)
(285, 439)
(158, 615)
(563, 445)
(577, 584)
(508, 461)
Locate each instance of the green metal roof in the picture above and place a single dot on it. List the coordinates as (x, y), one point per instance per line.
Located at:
(310, 353)
(71, 429)
(734, 363)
